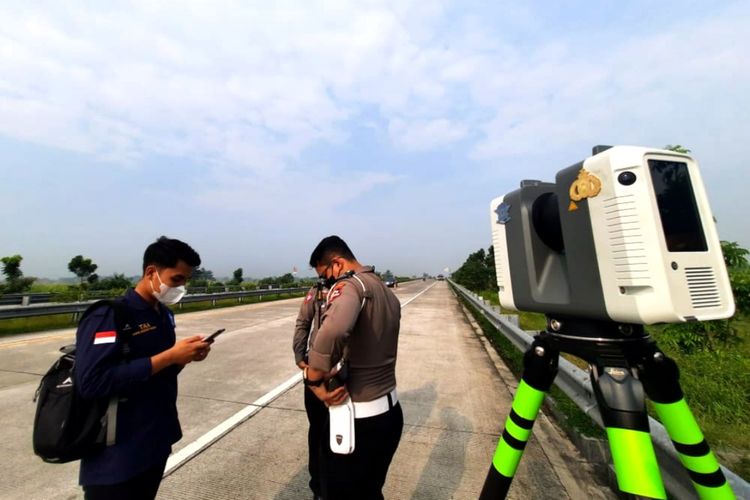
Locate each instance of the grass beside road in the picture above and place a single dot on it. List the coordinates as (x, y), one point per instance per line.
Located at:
(575, 418)
(61, 321)
(36, 324)
(716, 385)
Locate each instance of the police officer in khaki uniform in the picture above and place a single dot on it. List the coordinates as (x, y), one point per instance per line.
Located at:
(308, 322)
(362, 320)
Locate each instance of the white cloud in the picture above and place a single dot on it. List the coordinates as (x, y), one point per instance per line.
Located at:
(161, 79)
(424, 135)
(253, 85)
(259, 94)
(317, 192)
(292, 71)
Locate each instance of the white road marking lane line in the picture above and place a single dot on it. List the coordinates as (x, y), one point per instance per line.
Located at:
(417, 295)
(180, 458)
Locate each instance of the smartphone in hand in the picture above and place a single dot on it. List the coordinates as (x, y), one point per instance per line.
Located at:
(342, 374)
(213, 336)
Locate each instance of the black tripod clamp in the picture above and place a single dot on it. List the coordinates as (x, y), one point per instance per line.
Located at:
(540, 363)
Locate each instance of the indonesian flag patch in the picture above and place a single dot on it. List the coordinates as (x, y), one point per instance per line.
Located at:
(104, 337)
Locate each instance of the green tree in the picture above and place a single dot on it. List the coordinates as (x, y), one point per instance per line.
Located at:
(114, 282)
(489, 260)
(734, 255)
(237, 276)
(202, 274)
(286, 279)
(269, 280)
(14, 280)
(740, 281)
(12, 267)
(677, 148)
(82, 267)
(735, 258)
(478, 272)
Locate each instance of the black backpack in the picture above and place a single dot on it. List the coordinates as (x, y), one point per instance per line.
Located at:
(68, 427)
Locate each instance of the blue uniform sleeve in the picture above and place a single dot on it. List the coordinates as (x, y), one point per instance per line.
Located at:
(99, 370)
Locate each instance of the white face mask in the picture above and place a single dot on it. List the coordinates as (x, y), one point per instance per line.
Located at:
(168, 295)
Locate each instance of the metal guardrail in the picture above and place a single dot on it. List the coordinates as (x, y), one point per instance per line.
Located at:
(576, 384)
(48, 309)
(24, 299)
(12, 299)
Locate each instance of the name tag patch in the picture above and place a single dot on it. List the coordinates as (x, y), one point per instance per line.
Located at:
(144, 328)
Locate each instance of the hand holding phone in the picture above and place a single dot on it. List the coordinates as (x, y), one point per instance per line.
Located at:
(340, 375)
(213, 336)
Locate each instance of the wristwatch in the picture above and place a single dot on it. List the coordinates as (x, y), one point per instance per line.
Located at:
(313, 383)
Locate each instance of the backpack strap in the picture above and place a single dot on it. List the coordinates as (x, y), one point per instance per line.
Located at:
(123, 326)
(124, 332)
(96, 305)
(122, 317)
(112, 420)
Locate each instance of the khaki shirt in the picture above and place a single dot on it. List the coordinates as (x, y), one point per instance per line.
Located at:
(307, 323)
(370, 332)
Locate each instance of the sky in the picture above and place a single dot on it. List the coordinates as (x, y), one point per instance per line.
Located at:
(252, 130)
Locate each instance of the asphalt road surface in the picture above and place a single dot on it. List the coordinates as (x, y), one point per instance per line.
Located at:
(244, 423)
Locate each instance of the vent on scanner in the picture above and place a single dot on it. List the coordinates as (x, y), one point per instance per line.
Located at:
(701, 283)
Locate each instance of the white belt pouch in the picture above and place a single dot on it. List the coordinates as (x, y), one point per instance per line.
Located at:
(342, 427)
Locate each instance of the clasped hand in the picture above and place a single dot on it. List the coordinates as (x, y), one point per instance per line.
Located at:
(330, 398)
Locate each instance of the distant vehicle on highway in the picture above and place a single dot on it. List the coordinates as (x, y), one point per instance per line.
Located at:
(390, 280)
(440, 277)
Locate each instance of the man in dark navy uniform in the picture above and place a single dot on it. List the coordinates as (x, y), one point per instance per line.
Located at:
(146, 384)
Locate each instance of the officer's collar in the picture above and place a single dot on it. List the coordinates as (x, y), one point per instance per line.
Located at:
(359, 270)
(135, 301)
(352, 272)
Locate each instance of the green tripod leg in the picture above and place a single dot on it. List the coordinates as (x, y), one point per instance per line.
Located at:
(661, 380)
(625, 366)
(622, 406)
(540, 368)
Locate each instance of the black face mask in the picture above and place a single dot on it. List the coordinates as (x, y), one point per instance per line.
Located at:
(325, 283)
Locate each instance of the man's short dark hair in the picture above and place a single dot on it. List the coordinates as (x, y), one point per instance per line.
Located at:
(328, 248)
(165, 252)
